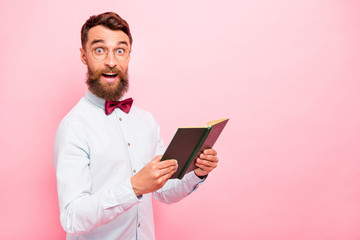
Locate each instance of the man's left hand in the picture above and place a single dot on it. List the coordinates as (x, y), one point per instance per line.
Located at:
(207, 162)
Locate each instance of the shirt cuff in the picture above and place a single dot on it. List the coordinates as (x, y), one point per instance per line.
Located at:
(194, 180)
(123, 195)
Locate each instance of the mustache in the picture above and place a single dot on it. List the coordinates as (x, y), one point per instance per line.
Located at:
(97, 73)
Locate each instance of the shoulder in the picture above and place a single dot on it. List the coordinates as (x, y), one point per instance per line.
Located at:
(75, 118)
(143, 115)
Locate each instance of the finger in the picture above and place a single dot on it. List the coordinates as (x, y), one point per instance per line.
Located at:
(210, 151)
(205, 169)
(208, 157)
(201, 172)
(207, 162)
(167, 163)
(157, 158)
(212, 158)
(168, 175)
(164, 171)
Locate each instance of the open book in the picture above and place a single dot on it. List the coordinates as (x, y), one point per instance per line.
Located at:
(189, 142)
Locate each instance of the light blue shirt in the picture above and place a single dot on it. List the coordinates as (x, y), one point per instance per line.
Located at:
(95, 156)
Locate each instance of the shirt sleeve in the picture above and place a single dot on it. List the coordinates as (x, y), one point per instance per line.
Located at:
(80, 210)
(174, 190)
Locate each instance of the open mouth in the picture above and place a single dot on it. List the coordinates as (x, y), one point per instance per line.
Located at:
(109, 77)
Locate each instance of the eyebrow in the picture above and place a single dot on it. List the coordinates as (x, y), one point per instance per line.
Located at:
(102, 41)
(96, 41)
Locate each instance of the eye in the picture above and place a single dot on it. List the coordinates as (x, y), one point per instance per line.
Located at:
(99, 50)
(120, 51)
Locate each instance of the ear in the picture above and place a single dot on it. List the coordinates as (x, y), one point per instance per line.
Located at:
(83, 56)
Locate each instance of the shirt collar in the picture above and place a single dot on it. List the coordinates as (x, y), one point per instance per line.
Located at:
(100, 102)
(95, 99)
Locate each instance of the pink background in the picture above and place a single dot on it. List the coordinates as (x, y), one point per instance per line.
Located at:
(286, 73)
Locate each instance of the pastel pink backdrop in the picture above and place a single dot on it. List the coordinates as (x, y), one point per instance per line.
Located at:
(286, 73)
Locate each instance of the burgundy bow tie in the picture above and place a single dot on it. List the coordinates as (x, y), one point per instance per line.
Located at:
(124, 105)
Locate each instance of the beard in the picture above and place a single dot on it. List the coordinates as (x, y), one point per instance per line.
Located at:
(112, 91)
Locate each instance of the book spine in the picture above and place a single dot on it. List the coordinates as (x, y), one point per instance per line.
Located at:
(195, 154)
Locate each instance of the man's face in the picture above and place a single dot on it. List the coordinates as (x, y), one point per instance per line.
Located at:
(107, 75)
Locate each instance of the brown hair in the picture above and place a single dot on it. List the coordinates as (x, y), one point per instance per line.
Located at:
(108, 19)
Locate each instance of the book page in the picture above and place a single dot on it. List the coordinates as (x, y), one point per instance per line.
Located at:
(212, 123)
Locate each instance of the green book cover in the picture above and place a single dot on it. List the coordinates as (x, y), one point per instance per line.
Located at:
(189, 142)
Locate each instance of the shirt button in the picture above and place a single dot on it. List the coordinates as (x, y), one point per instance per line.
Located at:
(120, 119)
(138, 225)
(134, 171)
(129, 144)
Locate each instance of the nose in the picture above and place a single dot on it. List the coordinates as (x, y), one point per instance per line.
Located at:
(110, 60)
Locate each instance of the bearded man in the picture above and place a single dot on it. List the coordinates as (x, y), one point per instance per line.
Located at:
(107, 151)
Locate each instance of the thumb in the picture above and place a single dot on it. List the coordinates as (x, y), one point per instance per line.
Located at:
(157, 158)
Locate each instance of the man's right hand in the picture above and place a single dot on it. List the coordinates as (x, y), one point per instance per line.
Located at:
(153, 176)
